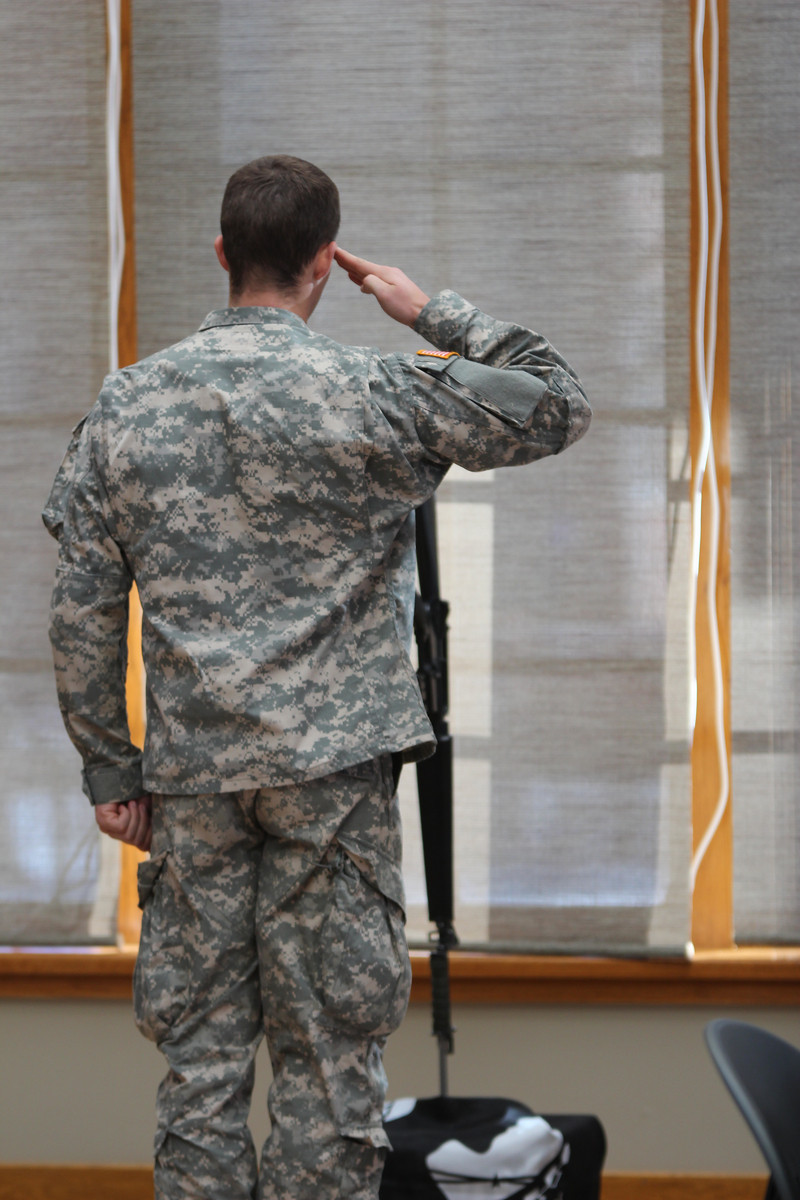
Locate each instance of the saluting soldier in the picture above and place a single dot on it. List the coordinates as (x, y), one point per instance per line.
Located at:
(258, 482)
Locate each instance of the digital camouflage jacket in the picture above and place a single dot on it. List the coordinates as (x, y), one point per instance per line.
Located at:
(258, 482)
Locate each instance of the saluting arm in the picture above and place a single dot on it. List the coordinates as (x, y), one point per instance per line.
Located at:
(508, 370)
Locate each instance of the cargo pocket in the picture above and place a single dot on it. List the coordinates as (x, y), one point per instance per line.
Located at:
(364, 969)
(161, 975)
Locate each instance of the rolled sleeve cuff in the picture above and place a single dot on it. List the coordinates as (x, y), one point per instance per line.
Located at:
(114, 784)
(444, 320)
(579, 417)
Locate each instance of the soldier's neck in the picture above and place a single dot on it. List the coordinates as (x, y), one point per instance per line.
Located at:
(267, 298)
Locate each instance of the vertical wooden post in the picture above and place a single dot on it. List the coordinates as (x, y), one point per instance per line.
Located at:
(128, 916)
(712, 901)
(128, 338)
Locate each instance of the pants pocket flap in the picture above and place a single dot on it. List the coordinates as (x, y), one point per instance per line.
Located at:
(147, 874)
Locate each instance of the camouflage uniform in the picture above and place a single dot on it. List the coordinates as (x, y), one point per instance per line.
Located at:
(262, 909)
(258, 482)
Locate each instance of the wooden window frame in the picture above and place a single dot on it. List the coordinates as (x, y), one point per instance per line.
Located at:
(719, 973)
(763, 977)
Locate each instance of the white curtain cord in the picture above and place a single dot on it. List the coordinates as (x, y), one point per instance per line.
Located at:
(116, 226)
(705, 356)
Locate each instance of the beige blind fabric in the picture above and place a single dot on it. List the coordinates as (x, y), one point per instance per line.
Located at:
(535, 157)
(53, 350)
(765, 442)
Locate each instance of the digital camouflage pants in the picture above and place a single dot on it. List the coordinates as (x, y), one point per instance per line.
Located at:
(274, 911)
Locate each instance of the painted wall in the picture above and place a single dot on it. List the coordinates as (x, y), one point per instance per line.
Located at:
(78, 1081)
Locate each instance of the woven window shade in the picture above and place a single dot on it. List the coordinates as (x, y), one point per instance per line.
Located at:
(535, 157)
(56, 885)
(765, 454)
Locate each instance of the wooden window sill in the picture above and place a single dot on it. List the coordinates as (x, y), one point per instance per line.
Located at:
(753, 976)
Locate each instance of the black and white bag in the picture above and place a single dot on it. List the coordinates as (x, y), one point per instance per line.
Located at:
(487, 1148)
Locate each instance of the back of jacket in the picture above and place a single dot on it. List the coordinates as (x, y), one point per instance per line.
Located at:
(258, 482)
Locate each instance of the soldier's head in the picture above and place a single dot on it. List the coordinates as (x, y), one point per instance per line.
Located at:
(277, 214)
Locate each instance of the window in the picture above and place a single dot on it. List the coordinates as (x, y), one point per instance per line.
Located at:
(555, 192)
(58, 883)
(568, 175)
(763, 206)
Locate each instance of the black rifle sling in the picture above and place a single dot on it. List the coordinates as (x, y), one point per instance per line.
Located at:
(435, 776)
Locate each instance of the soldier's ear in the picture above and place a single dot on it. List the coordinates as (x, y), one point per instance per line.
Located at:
(323, 261)
(220, 252)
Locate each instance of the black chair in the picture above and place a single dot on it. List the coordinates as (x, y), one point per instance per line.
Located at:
(762, 1073)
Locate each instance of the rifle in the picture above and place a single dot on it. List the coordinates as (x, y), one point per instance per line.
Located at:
(435, 777)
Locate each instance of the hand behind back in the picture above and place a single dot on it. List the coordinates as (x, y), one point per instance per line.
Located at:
(130, 822)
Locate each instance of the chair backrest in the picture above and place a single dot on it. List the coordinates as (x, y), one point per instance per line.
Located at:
(762, 1073)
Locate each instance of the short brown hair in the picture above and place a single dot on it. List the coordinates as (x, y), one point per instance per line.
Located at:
(277, 213)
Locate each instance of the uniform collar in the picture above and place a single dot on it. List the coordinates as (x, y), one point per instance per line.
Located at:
(252, 316)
